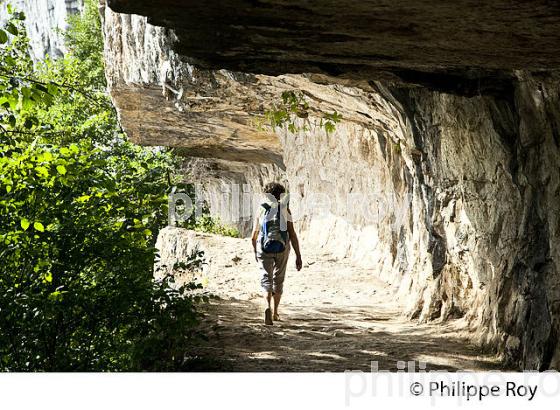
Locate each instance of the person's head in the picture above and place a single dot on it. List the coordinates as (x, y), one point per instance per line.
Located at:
(275, 189)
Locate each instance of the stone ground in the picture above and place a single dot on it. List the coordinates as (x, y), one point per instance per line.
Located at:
(335, 317)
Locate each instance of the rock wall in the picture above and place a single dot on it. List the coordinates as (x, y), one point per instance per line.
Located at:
(451, 193)
(489, 174)
(45, 22)
(465, 206)
(228, 187)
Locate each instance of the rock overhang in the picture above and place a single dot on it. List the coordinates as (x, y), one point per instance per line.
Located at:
(197, 74)
(362, 39)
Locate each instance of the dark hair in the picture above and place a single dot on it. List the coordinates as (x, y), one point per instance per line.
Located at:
(275, 189)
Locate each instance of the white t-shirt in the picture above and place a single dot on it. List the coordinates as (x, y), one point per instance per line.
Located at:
(284, 218)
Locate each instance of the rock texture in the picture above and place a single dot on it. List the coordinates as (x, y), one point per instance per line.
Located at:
(45, 23)
(229, 187)
(421, 40)
(443, 178)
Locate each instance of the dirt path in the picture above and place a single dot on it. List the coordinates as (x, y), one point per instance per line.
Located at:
(335, 317)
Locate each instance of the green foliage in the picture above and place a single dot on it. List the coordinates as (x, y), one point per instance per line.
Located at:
(80, 209)
(193, 263)
(19, 92)
(84, 43)
(206, 223)
(294, 108)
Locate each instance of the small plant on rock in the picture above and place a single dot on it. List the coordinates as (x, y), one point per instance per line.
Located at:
(291, 110)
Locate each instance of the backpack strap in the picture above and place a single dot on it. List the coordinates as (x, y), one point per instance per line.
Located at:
(267, 208)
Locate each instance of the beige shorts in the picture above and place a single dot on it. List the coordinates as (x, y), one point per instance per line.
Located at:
(273, 269)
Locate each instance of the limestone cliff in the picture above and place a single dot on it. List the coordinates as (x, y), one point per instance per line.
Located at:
(45, 23)
(451, 135)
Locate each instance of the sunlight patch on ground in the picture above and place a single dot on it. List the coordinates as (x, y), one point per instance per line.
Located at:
(262, 355)
(455, 360)
(329, 355)
(373, 352)
(436, 360)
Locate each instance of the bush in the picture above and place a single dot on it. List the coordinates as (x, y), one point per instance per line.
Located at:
(80, 209)
(205, 223)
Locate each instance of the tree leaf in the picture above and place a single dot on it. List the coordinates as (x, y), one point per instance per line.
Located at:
(12, 29)
(47, 156)
(3, 37)
(42, 171)
(28, 123)
(52, 89)
(61, 169)
(24, 224)
(39, 226)
(42, 88)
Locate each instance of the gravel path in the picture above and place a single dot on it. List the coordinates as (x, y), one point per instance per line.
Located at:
(335, 317)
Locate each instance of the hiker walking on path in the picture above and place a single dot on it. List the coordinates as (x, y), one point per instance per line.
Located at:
(273, 232)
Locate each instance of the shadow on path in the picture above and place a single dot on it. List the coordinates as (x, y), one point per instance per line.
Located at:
(310, 339)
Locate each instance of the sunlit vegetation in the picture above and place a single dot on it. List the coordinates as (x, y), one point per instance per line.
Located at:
(80, 210)
(292, 111)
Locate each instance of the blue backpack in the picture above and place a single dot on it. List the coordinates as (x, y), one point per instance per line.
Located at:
(273, 238)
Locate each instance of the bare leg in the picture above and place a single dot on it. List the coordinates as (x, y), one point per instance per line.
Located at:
(267, 312)
(268, 298)
(277, 297)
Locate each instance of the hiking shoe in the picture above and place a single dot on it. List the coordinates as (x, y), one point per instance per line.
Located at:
(268, 317)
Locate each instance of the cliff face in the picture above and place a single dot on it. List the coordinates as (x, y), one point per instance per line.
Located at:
(443, 177)
(45, 23)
